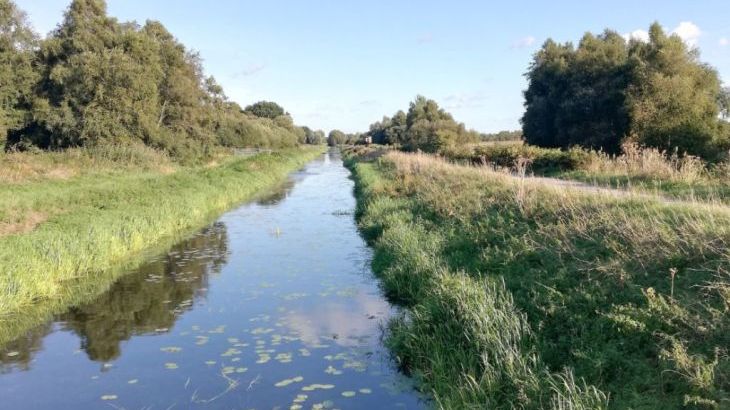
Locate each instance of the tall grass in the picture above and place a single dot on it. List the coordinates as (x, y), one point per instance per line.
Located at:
(24, 167)
(93, 222)
(532, 296)
(637, 168)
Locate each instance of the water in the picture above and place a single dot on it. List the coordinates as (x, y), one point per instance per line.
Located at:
(271, 306)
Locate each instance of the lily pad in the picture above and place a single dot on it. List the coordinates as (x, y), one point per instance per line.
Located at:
(287, 382)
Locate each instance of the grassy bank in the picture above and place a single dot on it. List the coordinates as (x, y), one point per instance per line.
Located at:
(637, 169)
(520, 295)
(63, 228)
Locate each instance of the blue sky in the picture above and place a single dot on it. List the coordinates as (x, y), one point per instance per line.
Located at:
(344, 64)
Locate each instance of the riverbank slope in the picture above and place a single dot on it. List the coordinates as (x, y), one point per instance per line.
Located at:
(521, 295)
(66, 225)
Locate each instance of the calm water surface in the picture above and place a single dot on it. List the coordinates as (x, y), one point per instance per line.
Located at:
(271, 306)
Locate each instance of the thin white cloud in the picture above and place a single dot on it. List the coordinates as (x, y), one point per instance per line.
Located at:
(639, 35)
(524, 42)
(465, 100)
(250, 70)
(723, 42)
(689, 32)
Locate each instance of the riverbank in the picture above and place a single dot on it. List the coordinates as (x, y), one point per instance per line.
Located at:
(643, 170)
(530, 296)
(268, 306)
(68, 230)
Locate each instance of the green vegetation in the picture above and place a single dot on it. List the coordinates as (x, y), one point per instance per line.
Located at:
(636, 169)
(523, 295)
(337, 138)
(502, 136)
(97, 81)
(63, 223)
(607, 92)
(266, 109)
(425, 127)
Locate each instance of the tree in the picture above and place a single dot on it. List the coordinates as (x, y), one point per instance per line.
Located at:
(266, 109)
(606, 91)
(673, 98)
(96, 81)
(336, 137)
(425, 127)
(577, 96)
(17, 73)
(312, 137)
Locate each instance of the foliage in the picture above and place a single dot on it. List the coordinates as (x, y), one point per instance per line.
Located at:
(17, 74)
(425, 127)
(266, 109)
(313, 137)
(538, 160)
(101, 219)
(336, 137)
(605, 91)
(98, 81)
(515, 135)
(516, 291)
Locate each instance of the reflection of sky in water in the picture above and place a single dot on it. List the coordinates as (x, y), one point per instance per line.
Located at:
(274, 305)
(343, 323)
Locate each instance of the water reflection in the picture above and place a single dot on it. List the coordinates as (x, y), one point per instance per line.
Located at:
(19, 353)
(274, 306)
(277, 195)
(344, 323)
(148, 300)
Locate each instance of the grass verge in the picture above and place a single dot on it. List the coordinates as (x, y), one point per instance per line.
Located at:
(96, 225)
(521, 295)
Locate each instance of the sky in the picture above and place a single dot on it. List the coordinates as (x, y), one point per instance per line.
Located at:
(345, 64)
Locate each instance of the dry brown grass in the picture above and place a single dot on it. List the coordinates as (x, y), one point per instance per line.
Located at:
(650, 163)
(22, 223)
(23, 167)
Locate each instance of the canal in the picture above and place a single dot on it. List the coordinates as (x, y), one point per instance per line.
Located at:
(273, 305)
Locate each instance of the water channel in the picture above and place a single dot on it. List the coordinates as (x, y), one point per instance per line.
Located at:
(271, 306)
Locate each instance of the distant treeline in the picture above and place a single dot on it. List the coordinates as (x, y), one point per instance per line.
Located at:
(425, 127)
(602, 94)
(502, 136)
(608, 91)
(96, 80)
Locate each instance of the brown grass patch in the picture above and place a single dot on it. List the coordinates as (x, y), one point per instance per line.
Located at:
(25, 224)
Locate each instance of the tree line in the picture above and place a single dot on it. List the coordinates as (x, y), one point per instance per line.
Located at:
(95, 80)
(608, 91)
(426, 127)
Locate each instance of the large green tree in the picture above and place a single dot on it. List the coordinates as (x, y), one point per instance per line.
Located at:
(336, 137)
(266, 109)
(18, 75)
(95, 80)
(426, 127)
(673, 98)
(607, 90)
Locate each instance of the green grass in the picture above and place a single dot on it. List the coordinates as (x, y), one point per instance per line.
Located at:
(94, 225)
(525, 296)
(706, 189)
(637, 169)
